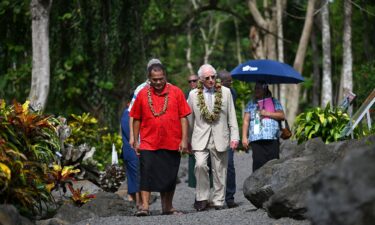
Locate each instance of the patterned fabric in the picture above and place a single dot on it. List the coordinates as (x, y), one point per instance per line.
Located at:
(137, 90)
(269, 127)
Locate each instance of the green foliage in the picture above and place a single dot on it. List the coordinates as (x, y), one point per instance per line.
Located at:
(364, 80)
(103, 154)
(86, 129)
(28, 142)
(325, 123)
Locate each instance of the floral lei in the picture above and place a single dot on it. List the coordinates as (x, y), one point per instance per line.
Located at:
(215, 114)
(152, 105)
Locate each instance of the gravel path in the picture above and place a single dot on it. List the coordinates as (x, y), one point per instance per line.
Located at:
(245, 214)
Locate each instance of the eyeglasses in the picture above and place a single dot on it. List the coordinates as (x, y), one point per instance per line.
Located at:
(192, 81)
(212, 77)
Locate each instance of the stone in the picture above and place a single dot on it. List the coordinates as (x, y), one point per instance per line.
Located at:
(69, 213)
(281, 186)
(345, 193)
(9, 215)
(107, 204)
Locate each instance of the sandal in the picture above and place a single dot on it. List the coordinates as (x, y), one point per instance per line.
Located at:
(173, 212)
(142, 212)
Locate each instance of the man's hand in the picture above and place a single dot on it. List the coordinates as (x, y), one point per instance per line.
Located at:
(234, 145)
(136, 148)
(245, 143)
(183, 147)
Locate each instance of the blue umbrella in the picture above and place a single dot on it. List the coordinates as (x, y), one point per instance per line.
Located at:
(269, 71)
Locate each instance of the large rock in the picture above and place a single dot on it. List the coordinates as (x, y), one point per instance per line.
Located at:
(68, 214)
(345, 193)
(105, 204)
(281, 186)
(304, 162)
(9, 216)
(109, 204)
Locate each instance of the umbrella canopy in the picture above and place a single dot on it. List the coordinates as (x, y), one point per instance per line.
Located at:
(269, 71)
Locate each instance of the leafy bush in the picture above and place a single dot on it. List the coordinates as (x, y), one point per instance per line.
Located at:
(28, 142)
(325, 123)
(86, 130)
(103, 154)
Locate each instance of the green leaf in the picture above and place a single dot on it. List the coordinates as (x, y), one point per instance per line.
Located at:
(308, 116)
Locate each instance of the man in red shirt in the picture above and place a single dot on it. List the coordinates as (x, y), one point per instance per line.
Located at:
(159, 113)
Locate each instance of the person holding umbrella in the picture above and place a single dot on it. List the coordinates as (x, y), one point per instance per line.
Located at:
(260, 127)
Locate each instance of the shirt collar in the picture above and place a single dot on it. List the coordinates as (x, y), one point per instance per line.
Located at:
(211, 90)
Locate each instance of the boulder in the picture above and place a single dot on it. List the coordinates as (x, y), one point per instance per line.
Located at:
(68, 213)
(281, 186)
(345, 193)
(302, 162)
(9, 216)
(107, 204)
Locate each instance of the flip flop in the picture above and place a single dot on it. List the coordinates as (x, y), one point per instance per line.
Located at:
(142, 212)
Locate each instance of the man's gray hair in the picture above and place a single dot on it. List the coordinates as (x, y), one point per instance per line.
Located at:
(152, 62)
(205, 67)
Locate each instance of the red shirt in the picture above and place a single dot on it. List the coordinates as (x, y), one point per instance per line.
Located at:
(161, 132)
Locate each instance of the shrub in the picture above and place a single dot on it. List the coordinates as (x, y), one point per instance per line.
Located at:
(28, 142)
(325, 123)
(86, 130)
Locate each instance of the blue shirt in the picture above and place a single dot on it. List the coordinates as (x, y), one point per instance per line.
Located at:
(269, 127)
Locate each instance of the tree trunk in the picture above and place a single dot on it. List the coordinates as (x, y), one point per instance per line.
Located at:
(280, 5)
(188, 50)
(268, 25)
(294, 89)
(238, 42)
(40, 77)
(326, 45)
(346, 83)
(316, 70)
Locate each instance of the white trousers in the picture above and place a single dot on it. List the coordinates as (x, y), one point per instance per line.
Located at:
(219, 165)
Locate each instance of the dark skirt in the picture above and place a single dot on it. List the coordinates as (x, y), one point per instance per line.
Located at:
(264, 151)
(159, 170)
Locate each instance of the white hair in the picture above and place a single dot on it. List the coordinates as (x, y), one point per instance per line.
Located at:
(205, 67)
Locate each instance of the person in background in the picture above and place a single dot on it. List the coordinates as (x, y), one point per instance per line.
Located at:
(130, 159)
(213, 128)
(160, 130)
(193, 82)
(226, 80)
(260, 127)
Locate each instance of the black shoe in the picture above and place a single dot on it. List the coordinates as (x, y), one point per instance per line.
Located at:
(232, 204)
(200, 205)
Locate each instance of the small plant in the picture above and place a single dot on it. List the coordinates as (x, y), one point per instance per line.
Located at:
(78, 197)
(325, 123)
(111, 179)
(59, 176)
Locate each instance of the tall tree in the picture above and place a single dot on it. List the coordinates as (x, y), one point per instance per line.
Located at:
(40, 10)
(280, 6)
(316, 68)
(267, 24)
(346, 82)
(294, 89)
(326, 45)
